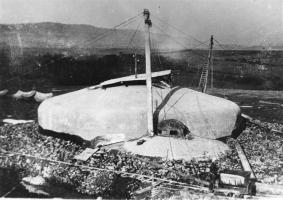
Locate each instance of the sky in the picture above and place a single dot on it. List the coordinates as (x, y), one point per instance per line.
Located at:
(252, 22)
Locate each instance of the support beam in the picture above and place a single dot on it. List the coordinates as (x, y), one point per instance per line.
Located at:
(136, 65)
(147, 26)
(245, 162)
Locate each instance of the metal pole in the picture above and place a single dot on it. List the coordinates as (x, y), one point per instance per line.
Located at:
(136, 66)
(148, 24)
(210, 60)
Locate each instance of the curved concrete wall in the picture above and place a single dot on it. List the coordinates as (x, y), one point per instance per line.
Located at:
(122, 110)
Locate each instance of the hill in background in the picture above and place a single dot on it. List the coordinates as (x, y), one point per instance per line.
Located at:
(71, 36)
(85, 38)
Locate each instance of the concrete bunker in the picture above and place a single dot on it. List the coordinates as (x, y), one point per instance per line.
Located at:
(173, 128)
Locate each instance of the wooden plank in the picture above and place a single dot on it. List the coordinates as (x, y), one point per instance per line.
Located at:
(146, 189)
(245, 162)
(17, 121)
(227, 191)
(86, 154)
(266, 196)
(276, 131)
(246, 117)
(246, 106)
(270, 103)
(269, 188)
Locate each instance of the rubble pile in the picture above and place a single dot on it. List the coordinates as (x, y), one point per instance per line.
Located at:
(262, 146)
(25, 139)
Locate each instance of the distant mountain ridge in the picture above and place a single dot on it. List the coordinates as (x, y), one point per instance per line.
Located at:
(57, 35)
(78, 36)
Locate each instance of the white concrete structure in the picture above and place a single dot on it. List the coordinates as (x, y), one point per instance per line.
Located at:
(177, 148)
(89, 113)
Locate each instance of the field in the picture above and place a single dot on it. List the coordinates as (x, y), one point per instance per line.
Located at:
(259, 104)
(235, 69)
(253, 70)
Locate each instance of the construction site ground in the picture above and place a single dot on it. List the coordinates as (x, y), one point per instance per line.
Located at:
(26, 152)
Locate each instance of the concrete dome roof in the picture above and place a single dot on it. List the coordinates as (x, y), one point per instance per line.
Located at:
(89, 113)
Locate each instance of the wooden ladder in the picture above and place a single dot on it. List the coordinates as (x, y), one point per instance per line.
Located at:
(203, 78)
(204, 74)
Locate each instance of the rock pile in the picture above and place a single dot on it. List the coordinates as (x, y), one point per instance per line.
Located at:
(25, 139)
(262, 146)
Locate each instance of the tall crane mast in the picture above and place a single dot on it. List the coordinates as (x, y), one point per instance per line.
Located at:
(147, 26)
